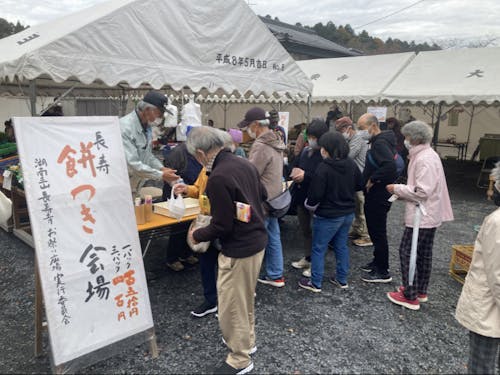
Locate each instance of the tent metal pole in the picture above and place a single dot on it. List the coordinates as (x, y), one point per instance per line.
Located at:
(309, 105)
(436, 128)
(470, 127)
(225, 114)
(32, 89)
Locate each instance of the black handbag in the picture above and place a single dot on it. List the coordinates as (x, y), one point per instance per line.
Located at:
(279, 205)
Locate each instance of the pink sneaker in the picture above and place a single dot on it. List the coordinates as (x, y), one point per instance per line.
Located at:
(421, 297)
(399, 299)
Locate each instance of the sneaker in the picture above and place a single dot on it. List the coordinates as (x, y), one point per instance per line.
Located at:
(307, 272)
(175, 266)
(251, 352)
(377, 277)
(369, 267)
(307, 284)
(353, 235)
(224, 368)
(399, 299)
(301, 263)
(337, 283)
(190, 260)
(204, 309)
(422, 297)
(278, 283)
(362, 242)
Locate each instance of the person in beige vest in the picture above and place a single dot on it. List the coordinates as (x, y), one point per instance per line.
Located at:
(478, 308)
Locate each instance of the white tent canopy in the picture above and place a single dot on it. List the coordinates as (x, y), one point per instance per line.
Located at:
(215, 45)
(353, 79)
(452, 76)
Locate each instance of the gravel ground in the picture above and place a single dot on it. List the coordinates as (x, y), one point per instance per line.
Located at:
(337, 331)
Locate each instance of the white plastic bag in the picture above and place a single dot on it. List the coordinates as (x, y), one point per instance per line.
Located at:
(201, 221)
(171, 119)
(191, 114)
(5, 208)
(176, 205)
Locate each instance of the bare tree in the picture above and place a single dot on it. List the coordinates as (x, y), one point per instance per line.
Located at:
(479, 42)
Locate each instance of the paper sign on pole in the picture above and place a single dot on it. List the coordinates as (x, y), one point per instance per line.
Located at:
(284, 122)
(84, 230)
(379, 112)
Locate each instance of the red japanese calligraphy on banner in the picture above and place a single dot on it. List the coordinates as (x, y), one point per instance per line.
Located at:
(93, 278)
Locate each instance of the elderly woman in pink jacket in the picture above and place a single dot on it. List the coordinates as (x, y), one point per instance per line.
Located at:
(426, 186)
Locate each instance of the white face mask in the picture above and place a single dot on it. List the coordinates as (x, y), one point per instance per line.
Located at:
(408, 145)
(346, 136)
(323, 153)
(313, 143)
(365, 135)
(252, 134)
(157, 122)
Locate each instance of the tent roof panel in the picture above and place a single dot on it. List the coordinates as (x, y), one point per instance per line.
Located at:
(451, 76)
(211, 45)
(358, 79)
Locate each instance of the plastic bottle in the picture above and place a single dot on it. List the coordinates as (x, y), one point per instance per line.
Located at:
(139, 211)
(148, 207)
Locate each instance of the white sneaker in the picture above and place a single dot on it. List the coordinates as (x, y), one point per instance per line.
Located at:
(252, 350)
(302, 263)
(307, 272)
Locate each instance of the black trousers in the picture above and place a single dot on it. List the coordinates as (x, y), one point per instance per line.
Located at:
(376, 209)
(424, 261)
(483, 353)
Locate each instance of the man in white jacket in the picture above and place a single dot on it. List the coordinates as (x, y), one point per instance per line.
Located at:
(478, 308)
(136, 130)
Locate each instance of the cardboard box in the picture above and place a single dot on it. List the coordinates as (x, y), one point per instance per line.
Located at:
(192, 208)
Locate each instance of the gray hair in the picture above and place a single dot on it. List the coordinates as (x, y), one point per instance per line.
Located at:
(205, 138)
(372, 119)
(495, 174)
(228, 140)
(418, 132)
(142, 105)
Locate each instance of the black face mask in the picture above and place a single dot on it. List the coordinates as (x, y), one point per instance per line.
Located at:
(496, 196)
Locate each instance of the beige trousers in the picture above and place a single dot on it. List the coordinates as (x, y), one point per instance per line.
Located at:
(236, 282)
(358, 227)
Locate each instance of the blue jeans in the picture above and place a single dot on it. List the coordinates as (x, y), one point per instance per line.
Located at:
(273, 256)
(208, 265)
(333, 231)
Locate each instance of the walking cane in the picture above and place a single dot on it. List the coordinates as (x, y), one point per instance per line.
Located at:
(419, 211)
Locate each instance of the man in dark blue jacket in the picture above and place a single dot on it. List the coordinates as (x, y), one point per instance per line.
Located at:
(380, 170)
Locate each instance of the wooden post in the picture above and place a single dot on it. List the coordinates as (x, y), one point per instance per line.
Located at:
(38, 312)
(153, 347)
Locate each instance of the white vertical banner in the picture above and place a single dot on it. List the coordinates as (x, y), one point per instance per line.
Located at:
(85, 233)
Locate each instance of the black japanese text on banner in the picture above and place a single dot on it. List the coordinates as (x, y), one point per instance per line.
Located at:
(84, 230)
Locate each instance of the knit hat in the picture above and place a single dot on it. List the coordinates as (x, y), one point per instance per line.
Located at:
(236, 135)
(343, 122)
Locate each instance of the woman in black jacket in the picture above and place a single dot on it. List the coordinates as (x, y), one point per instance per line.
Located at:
(332, 198)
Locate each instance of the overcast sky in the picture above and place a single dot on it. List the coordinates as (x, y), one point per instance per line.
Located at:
(428, 20)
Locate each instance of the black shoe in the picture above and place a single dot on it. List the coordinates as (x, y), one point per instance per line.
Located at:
(204, 309)
(368, 267)
(377, 277)
(224, 368)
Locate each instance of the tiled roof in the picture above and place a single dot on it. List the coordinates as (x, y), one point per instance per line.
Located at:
(306, 37)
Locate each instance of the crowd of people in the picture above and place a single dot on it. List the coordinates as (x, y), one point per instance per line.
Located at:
(343, 182)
